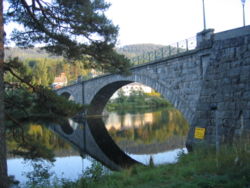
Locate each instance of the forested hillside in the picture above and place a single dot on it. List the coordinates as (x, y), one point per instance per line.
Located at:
(29, 53)
(128, 50)
(43, 67)
(137, 49)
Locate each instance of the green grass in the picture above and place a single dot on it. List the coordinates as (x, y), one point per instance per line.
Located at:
(202, 169)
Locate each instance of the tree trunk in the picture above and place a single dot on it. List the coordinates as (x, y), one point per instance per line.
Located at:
(3, 159)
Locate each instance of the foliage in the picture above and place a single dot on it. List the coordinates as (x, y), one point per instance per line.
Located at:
(26, 104)
(92, 174)
(42, 71)
(40, 175)
(136, 100)
(76, 30)
(137, 49)
(95, 171)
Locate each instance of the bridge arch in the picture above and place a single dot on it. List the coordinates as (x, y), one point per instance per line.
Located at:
(103, 93)
(72, 92)
(68, 96)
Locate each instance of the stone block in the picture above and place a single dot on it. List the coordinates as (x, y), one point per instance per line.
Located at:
(246, 95)
(247, 114)
(248, 105)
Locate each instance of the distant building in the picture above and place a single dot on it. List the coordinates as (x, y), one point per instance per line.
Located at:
(60, 81)
(94, 73)
(128, 89)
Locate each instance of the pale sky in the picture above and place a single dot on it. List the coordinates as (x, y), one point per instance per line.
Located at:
(169, 21)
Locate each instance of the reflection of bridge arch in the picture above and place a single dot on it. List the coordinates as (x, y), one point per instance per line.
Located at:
(105, 91)
(92, 138)
(69, 126)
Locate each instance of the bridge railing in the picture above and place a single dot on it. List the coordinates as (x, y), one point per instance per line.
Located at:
(169, 50)
(161, 53)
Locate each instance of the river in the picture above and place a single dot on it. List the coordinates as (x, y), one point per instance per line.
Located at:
(158, 134)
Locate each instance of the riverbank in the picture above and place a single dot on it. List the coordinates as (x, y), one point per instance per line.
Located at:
(137, 102)
(204, 168)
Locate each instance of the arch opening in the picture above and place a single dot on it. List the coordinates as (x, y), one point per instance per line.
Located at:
(68, 96)
(98, 105)
(103, 95)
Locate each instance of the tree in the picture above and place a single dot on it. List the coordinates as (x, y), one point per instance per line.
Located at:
(121, 97)
(3, 161)
(77, 30)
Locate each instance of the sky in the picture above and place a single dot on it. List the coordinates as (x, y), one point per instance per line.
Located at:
(168, 21)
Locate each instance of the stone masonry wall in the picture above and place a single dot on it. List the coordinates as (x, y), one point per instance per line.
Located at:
(224, 104)
(75, 92)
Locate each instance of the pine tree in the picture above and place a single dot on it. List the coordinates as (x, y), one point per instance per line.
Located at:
(77, 30)
(3, 161)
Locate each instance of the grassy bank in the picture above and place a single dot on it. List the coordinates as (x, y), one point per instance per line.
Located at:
(204, 168)
(229, 168)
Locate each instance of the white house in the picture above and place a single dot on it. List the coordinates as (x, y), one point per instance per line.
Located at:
(128, 89)
(60, 81)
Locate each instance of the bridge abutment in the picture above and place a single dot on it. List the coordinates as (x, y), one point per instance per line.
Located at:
(223, 108)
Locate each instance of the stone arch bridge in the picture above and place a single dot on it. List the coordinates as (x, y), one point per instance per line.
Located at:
(210, 85)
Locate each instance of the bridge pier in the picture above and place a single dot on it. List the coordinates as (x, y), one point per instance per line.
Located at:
(223, 105)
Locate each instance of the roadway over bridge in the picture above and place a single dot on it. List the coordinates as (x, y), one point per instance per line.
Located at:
(210, 85)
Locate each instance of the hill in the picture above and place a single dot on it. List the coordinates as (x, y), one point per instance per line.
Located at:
(137, 49)
(28, 53)
(34, 53)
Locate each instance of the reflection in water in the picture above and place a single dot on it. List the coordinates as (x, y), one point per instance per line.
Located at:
(72, 167)
(122, 122)
(147, 133)
(140, 135)
(47, 138)
(159, 158)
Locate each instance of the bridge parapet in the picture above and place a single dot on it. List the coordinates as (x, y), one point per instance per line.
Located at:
(165, 52)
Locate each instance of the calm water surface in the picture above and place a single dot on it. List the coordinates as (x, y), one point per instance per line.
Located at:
(159, 134)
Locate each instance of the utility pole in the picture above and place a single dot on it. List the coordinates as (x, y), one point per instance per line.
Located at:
(243, 10)
(204, 15)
